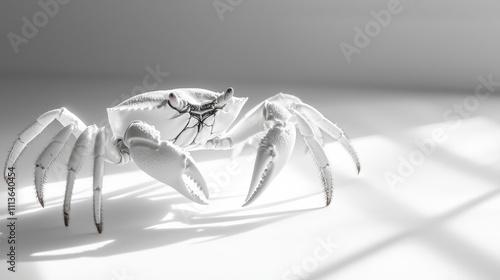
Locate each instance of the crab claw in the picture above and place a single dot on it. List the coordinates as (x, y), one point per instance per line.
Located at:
(274, 151)
(165, 162)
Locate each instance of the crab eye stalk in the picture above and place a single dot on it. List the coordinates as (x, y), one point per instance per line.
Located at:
(224, 97)
(175, 101)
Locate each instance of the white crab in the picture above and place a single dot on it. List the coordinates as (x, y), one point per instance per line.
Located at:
(156, 129)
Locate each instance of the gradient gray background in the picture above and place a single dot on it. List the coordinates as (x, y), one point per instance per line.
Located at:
(94, 52)
(429, 45)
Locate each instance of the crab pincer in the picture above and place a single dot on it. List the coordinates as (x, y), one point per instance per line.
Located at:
(165, 162)
(274, 150)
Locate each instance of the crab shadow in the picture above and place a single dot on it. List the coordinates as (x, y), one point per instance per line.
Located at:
(134, 223)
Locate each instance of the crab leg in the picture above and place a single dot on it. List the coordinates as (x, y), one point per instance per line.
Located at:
(330, 128)
(74, 164)
(99, 154)
(48, 156)
(318, 154)
(272, 119)
(63, 115)
(249, 127)
(165, 162)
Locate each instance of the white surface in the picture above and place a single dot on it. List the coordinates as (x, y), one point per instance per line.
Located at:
(440, 224)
